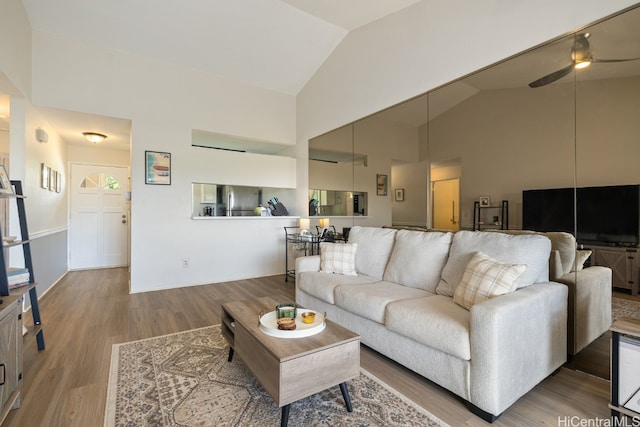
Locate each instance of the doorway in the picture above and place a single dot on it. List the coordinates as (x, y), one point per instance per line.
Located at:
(446, 204)
(99, 211)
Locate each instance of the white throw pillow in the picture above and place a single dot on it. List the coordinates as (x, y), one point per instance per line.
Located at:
(581, 257)
(485, 278)
(339, 258)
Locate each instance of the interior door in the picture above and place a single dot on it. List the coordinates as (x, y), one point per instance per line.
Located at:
(99, 226)
(446, 204)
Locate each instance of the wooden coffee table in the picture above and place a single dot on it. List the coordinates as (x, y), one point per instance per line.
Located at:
(290, 369)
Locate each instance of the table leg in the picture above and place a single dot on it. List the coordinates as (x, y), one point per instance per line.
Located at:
(345, 394)
(284, 419)
(230, 358)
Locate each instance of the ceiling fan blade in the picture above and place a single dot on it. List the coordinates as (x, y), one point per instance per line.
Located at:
(615, 60)
(550, 78)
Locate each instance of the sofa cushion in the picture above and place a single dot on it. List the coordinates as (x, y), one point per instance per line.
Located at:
(565, 244)
(533, 250)
(434, 321)
(370, 301)
(374, 248)
(485, 278)
(338, 258)
(562, 242)
(322, 285)
(418, 258)
(581, 257)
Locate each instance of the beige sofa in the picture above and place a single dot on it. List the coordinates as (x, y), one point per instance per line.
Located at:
(401, 302)
(589, 305)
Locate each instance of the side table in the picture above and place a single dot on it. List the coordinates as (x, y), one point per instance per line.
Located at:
(625, 369)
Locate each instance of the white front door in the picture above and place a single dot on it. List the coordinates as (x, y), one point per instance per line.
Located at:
(99, 226)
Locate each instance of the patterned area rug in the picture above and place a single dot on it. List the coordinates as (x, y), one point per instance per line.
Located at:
(624, 308)
(184, 379)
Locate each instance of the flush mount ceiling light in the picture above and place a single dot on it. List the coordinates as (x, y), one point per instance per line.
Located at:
(94, 137)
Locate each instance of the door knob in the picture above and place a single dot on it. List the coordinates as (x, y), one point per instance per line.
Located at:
(124, 221)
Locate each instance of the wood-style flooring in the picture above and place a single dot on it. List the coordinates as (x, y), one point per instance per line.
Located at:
(88, 311)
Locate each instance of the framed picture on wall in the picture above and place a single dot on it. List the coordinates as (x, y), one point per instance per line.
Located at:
(5, 183)
(399, 194)
(58, 182)
(381, 185)
(484, 201)
(157, 168)
(44, 176)
(52, 179)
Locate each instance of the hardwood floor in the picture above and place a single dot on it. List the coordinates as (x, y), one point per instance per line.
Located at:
(88, 311)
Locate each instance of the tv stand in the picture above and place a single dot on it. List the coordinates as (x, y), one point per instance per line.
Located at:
(623, 262)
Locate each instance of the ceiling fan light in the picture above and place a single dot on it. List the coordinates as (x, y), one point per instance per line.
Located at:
(94, 137)
(582, 64)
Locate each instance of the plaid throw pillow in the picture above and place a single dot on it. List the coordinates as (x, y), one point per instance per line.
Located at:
(339, 258)
(484, 278)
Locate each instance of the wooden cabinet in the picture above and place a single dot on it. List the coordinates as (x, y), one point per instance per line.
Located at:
(623, 263)
(10, 354)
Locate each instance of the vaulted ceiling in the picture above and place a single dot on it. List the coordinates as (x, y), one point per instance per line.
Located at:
(273, 44)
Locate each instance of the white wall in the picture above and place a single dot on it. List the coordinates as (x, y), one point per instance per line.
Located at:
(97, 155)
(15, 48)
(164, 103)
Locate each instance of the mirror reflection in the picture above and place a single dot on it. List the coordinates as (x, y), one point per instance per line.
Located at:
(337, 203)
(560, 119)
(221, 200)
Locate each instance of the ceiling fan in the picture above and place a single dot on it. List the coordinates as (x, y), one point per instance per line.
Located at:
(581, 57)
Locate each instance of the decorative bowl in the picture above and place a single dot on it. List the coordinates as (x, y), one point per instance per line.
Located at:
(308, 316)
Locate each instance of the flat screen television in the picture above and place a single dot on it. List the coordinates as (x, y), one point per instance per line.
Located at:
(607, 215)
(548, 210)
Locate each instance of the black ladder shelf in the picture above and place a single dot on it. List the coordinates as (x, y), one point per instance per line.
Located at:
(28, 263)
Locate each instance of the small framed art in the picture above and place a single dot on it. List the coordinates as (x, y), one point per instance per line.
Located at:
(381, 184)
(44, 176)
(399, 194)
(157, 168)
(484, 201)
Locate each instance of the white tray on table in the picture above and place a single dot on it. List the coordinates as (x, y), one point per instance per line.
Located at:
(269, 325)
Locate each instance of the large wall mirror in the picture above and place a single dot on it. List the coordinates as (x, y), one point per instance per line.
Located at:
(491, 135)
(533, 131)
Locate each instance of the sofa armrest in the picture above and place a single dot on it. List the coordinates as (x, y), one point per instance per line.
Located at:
(517, 340)
(307, 263)
(589, 305)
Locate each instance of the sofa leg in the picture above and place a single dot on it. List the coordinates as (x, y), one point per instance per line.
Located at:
(490, 418)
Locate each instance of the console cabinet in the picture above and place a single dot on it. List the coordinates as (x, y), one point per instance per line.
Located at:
(623, 263)
(10, 354)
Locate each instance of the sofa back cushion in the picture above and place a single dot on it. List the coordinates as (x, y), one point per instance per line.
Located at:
(374, 248)
(418, 258)
(563, 247)
(532, 250)
(565, 244)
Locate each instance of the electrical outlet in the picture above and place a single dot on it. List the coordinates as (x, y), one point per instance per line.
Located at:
(185, 263)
